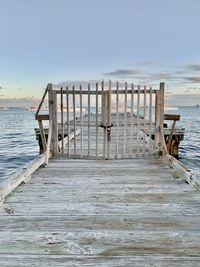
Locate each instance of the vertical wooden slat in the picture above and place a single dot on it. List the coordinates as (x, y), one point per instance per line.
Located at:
(150, 119)
(157, 119)
(42, 136)
(48, 142)
(162, 86)
(144, 124)
(117, 119)
(68, 122)
(132, 107)
(74, 118)
(62, 120)
(97, 122)
(102, 112)
(109, 119)
(89, 126)
(125, 119)
(53, 116)
(81, 120)
(138, 121)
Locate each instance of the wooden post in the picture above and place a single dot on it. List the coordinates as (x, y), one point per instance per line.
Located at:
(159, 117)
(81, 119)
(42, 135)
(68, 122)
(162, 88)
(74, 117)
(106, 121)
(117, 119)
(144, 115)
(132, 108)
(150, 118)
(62, 120)
(138, 121)
(89, 121)
(97, 121)
(157, 121)
(53, 116)
(125, 120)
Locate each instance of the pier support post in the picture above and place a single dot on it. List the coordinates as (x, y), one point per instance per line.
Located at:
(53, 117)
(159, 117)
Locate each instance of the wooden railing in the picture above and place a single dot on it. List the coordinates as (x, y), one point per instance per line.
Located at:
(100, 97)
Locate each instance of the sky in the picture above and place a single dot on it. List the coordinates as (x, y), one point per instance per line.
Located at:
(141, 41)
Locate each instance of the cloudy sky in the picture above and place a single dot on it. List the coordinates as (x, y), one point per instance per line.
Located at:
(142, 41)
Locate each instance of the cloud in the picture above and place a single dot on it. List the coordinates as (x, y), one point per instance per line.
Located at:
(194, 67)
(1, 95)
(193, 79)
(123, 72)
(162, 76)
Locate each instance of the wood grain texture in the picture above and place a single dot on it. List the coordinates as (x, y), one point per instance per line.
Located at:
(101, 213)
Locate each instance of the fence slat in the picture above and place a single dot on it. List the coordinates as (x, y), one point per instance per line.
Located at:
(132, 107)
(150, 119)
(81, 121)
(62, 120)
(102, 119)
(89, 126)
(68, 122)
(144, 120)
(74, 118)
(117, 119)
(125, 118)
(97, 122)
(138, 121)
(109, 119)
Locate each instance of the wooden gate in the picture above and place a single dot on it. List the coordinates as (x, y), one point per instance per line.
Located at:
(105, 120)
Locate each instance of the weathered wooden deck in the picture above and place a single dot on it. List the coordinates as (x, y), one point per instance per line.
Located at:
(101, 213)
(129, 210)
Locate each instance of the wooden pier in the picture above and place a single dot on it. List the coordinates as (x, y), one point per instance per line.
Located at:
(104, 196)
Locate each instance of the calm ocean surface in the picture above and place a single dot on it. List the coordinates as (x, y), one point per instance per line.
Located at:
(18, 145)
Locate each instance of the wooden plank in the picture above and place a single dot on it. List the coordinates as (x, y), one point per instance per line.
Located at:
(42, 135)
(138, 120)
(117, 119)
(109, 119)
(150, 119)
(132, 108)
(125, 118)
(101, 243)
(68, 122)
(100, 223)
(10, 184)
(162, 104)
(102, 261)
(49, 86)
(62, 122)
(171, 117)
(74, 117)
(42, 117)
(89, 126)
(53, 117)
(97, 121)
(81, 120)
(157, 120)
(47, 155)
(144, 120)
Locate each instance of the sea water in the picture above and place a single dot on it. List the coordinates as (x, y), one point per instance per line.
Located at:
(18, 144)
